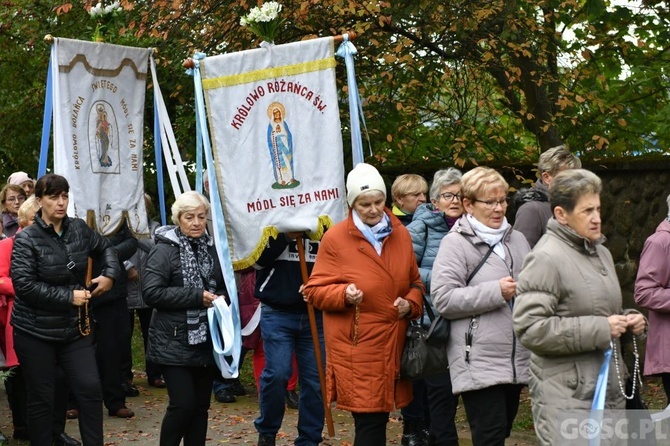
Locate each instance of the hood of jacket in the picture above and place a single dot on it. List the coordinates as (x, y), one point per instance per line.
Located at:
(431, 217)
(539, 192)
(168, 234)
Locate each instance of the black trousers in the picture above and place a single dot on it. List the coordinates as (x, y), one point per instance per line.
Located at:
(111, 332)
(15, 386)
(370, 428)
(417, 410)
(39, 360)
(152, 369)
(442, 405)
(490, 412)
(189, 390)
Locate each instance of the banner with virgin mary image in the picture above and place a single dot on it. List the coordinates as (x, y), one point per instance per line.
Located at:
(277, 142)
(98, 103)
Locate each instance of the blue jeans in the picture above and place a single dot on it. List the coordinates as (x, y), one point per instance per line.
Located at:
(284, 333)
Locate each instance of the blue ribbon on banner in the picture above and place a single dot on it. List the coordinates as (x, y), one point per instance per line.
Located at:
(220, 316)
(46, 122)
(598, 405)
(158, 149)
(198, 131)
(347, 50)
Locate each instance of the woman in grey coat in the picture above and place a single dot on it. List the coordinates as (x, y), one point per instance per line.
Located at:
(473, 284)
(568, 311)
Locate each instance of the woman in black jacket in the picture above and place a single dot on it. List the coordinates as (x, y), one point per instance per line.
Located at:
(182, 279)
(50, 315)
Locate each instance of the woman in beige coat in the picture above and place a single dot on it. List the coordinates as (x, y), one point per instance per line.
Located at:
(488, 366)
(568, 310)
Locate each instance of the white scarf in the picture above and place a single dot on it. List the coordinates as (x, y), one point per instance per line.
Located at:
(374, 234)
(490, 236)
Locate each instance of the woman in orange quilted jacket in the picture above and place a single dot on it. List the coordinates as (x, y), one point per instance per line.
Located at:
(367, 283)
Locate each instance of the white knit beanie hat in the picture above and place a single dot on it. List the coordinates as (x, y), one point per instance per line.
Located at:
(363, 178)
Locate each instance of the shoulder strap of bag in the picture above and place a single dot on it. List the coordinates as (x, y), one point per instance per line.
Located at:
(71, 266)
(479, 265)
(429, 310)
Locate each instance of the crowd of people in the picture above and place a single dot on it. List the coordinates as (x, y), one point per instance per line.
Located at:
(532, 304)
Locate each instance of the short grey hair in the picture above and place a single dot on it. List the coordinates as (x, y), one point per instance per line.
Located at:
(570, 185)
(443, 178)
(557, 159)
(188, 202)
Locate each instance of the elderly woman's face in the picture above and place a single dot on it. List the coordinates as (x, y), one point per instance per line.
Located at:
(409, 202)
(489, 208)
(193, 223)
(370, 207)
(28, 187)
(584, 218)
(449, 201)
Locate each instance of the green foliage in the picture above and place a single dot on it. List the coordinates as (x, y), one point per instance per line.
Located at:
(443, 82)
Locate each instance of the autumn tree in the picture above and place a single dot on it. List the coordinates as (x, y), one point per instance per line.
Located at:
(475, 80)
(459, 81)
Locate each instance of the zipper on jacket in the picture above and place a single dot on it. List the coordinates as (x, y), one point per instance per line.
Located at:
(469, 337)
(175, 331)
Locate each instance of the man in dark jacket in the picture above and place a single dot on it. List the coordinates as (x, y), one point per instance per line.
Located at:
(110, 312)
(533, 209)
(285, 329)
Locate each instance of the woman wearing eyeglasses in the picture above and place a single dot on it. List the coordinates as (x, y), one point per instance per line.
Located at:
(473, 284)
(433, 394)
(11, 197)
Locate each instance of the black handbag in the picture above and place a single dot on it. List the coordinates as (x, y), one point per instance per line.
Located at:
(438, 332)
(419, 357)
(425, 351)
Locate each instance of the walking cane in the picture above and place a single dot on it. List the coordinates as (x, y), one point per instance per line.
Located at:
(315, 340)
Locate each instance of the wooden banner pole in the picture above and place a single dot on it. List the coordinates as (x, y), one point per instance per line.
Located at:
(315, 340)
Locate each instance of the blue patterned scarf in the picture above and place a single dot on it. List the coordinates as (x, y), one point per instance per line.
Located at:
(197, 267)
(374, 234)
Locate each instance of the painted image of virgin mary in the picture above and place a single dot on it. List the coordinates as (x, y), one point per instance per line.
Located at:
(280, 145)
(102, 136)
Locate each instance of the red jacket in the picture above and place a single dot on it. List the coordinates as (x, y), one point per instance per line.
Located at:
(364, 377)
(6, 303)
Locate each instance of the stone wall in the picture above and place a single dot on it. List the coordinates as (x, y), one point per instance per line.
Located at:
(633, 204)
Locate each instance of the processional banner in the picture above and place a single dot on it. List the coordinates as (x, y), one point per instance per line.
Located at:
(277, 142)
(99, 92)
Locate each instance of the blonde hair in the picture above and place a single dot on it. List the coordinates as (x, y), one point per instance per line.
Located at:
(406, 184)
(480, 180)
(187, 202)
(27, 211)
